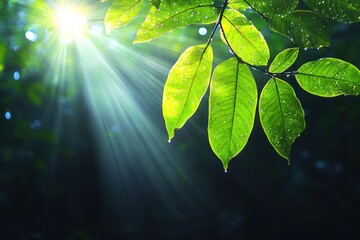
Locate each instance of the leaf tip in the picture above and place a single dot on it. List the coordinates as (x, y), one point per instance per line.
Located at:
(225, 165)
(287, 157)
(171, 134)
(170, 138)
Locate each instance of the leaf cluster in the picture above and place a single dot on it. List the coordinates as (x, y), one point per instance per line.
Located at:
(233, 97)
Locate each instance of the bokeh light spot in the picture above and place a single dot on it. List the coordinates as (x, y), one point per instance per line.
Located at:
(7, 115)
(31, 36)
(16, 75)
(202, 31)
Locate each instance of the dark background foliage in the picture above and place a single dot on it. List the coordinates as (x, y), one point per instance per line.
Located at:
(51, 186)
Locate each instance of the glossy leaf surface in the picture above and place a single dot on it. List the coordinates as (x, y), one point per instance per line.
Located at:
(281, 115)
(244, 39)
(238, 4)
(329, 77)
(232, 106)
(343, 11)
(174, 14)
(185, 86)
(284, 60)
(271, 8)
(305, 28)
(121, 13)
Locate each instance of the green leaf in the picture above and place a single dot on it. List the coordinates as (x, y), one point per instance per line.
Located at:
(281, 115)
(175, 14)
(244, 39)
(329, 77)
(232, 106)
(186, 84)
(284, 60)
(121, 13)
(271, 8)
(343, 11)
(155, 3)
(238, 4)
(305, 28)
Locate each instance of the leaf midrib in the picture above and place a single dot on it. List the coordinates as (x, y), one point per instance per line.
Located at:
(238, 30)
(326, 77)
(234, 109)
(284, 62)
(280, 106)
(191, 86)
(182, 12)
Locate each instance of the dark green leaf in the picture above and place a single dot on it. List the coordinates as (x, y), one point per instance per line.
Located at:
(175, 14)
(244, 39)
(343, 11)
(305, 28)
(281, 115)
(155, 3)
(284, 60)
(121, 13)
(329, 77)
(187, 83)
(270, 8)
(232, 106)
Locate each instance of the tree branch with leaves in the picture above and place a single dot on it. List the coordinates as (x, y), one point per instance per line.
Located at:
(233, 98)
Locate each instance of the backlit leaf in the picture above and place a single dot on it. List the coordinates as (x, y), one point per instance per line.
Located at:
(329, 77)
(121, 13)
(175, 14)
(238, 4)
(281, 115)
(186, 84)
(244, 39)
(284, 60)
(270, 8)
(305, 28)
(343, 11)
(232, 106)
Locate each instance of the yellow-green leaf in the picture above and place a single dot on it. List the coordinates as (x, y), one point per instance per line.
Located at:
(174, 14)
(343, 11)
(284, 60)
(244, 39)
(307, 29)
(121, 13)
(186, 84)
(238, 4)
(232, 106)
(281, 115)
(329, 77)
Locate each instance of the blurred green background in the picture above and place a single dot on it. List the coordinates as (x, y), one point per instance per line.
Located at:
(79, 161)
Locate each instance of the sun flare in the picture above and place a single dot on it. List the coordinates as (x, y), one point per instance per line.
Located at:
(69, 21)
